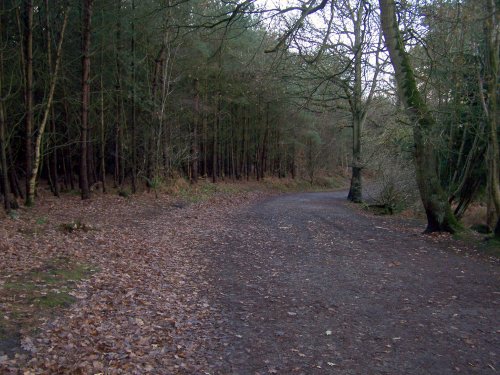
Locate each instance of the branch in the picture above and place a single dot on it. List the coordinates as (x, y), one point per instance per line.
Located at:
(305, 12)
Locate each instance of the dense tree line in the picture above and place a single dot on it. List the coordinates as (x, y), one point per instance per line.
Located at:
(147, 91)
(142, 91)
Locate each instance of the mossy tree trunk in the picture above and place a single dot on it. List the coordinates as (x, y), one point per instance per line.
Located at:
(437, 208)
(490, 104)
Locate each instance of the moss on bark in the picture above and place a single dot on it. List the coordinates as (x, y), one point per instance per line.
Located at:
(434, 200)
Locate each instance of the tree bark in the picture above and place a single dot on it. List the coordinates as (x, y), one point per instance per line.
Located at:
(103, 141)
(437, 208)
(15, 185)
(28, 93)
(46, 114)
(194, 136)
(3, 143)
(3, 154)
(53, 157)
(87, 18)
(134, 108)
(355, 190)
(492, 42)
(214, 144)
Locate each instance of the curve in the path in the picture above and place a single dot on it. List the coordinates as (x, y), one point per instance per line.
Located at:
(306, 285)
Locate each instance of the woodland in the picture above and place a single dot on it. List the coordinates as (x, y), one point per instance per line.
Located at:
(144, 149)
(132, 94)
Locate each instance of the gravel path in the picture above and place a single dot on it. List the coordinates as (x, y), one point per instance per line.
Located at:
(307, 285)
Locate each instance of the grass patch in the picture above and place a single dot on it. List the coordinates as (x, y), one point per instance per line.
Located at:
(38, 227)
(484, 245)
(491, 247)
(54, 300)
(381, 209)
(41, 220)
(41, 293)
(124, 193)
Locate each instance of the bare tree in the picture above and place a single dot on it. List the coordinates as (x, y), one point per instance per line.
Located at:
(346, 53)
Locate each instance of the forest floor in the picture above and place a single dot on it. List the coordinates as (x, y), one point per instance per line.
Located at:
(240, 283)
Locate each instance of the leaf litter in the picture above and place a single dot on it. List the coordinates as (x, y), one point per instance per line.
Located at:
(144, 310)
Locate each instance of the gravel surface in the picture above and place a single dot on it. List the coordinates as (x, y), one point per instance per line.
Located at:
(305, 284)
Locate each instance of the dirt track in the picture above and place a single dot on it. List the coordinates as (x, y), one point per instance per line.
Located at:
(252, 284)
(306, 285)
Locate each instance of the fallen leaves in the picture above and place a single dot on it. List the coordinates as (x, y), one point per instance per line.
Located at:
(144, 309)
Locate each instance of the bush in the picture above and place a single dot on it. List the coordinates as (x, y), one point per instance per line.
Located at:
(123, 193)
(394, 188)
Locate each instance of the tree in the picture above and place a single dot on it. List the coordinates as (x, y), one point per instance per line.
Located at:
(437, 208)
(86, 32)
(3, 143)
(47, 110)
(28, 94)
(184, 99)
(339, 42)
(490, 103)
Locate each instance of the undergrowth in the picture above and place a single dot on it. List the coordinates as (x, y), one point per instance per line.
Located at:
(491, 247)
(205, 189)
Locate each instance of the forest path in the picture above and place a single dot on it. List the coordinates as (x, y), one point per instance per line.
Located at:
(307, 285)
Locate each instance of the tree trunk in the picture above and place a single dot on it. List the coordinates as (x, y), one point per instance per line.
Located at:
(194, 136)
(53, 157)
(263, 155)
(134, 109)
(28, 93)
(3, 142)
(118, 86)
(15, 185)
(41, 129)
(355, 191)
(87, 17)
(437, 208)
(492, 42)
(103, 141)
(55, 175)
(214, 144)
(205, 144)
(3, 154)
